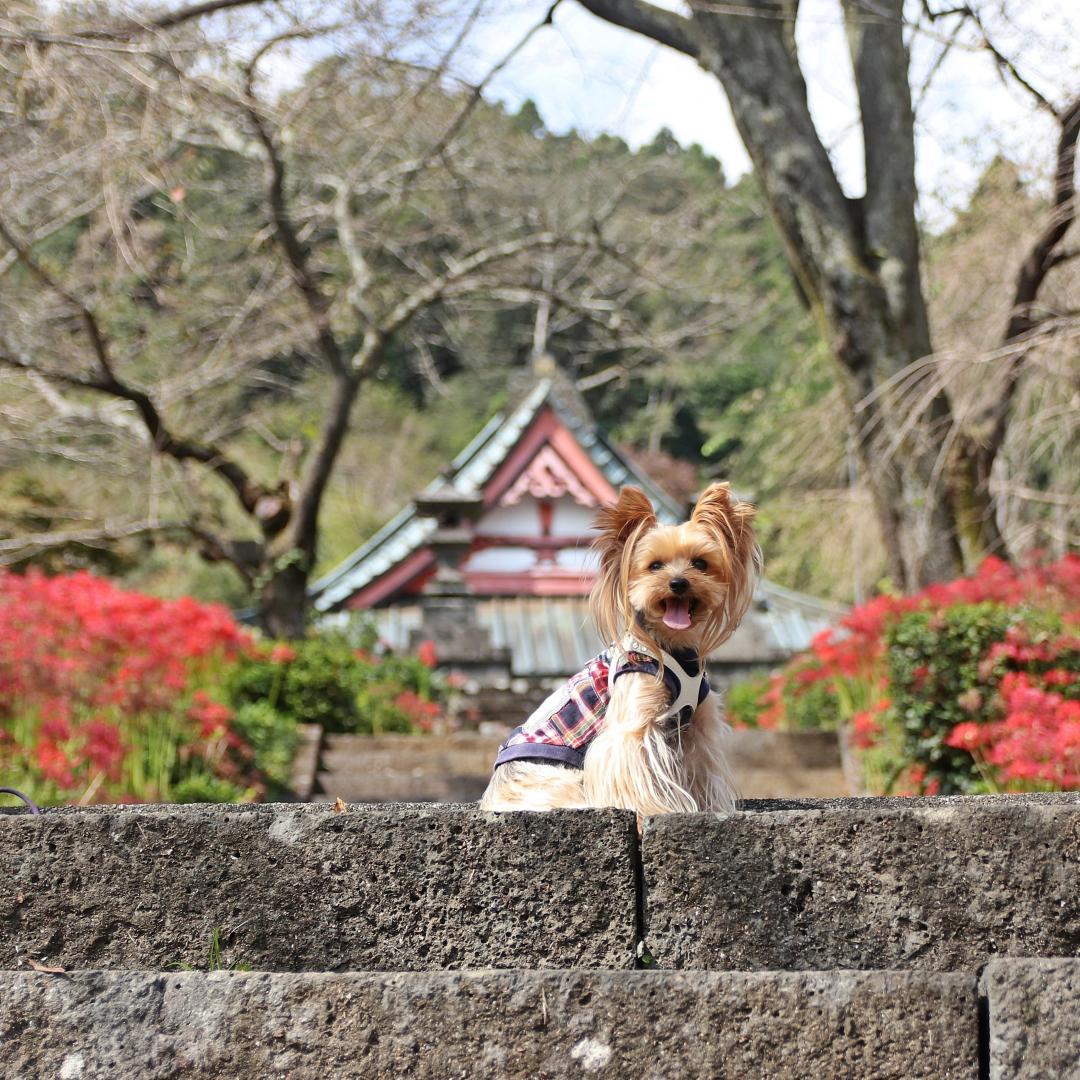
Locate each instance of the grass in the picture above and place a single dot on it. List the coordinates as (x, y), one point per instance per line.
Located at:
(214, 960)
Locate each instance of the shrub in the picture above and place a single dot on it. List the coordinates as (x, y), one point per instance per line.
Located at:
(109, 695)
(969, 685)
(202, 788)
(314, 681)
(273, 738)
(743, 701)
(327, 680)
(936, 664)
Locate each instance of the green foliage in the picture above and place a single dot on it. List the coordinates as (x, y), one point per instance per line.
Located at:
(819, 707)
(935, 660)
(272, 736)
(326, 680)
(318, 686)
(743, 703)
(203, 788)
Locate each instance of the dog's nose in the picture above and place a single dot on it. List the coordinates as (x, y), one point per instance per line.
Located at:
(678, 585)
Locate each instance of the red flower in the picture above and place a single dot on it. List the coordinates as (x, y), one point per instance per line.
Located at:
(420, 712)
(54, 765)
(864, 729)
(966, 736)
(103, 746)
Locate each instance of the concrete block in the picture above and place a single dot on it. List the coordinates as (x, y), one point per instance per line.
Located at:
(307, 889)
(934, 886)
(1032, 1008)
(659, 1025)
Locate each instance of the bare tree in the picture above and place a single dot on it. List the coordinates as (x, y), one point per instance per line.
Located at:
(183, 241)
(858, 260)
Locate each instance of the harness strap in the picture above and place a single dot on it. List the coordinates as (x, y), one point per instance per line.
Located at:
(689, 685)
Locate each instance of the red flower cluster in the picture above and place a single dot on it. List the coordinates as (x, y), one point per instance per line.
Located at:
(1032, 735)
(1038, 738)
(420, 712)
(855, 647)
(87, 669)
(866, 725)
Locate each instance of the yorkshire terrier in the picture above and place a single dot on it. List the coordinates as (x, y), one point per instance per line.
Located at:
(639, 727)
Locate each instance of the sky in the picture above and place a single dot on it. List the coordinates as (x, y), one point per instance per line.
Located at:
(585, 74)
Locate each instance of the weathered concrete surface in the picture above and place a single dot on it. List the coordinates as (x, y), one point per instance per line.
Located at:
(233, 1026)
(1033, 1009)
(306, 889)
(935, 887)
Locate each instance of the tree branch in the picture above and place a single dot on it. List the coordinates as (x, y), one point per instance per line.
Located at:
(130, 28)
(880, 63)
(1063, 257)
(1033, 271)
(89, 319)
(476, 93)
(20, 548)
(433, 290)
(212, 547)
(247, 491)
(284, 230)
(1003, 63)
(667, 27)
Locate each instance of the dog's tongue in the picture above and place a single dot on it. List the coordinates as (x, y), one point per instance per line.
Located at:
(677, 613)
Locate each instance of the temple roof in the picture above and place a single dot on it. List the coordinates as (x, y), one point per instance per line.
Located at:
(408, 532)
(554, 627)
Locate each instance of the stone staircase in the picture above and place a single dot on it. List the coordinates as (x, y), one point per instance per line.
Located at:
(809, 938)
(457, 767)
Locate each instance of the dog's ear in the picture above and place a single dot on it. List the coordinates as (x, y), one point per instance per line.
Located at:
(630, 514)
(730, 521)
(723, 516)
(619, 526)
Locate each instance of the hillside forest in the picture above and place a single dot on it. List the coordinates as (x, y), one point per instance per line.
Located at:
(312, 297)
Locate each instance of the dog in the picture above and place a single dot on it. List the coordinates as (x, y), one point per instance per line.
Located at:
(639, 727)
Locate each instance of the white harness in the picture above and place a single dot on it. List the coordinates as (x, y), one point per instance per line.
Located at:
(689, 685)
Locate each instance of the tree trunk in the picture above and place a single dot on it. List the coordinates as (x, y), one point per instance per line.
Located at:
(979, 446)
(857, 261)
(283, 602)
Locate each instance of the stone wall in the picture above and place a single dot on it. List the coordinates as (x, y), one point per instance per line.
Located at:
(847, 938)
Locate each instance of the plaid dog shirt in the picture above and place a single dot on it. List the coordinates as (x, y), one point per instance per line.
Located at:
(562, 728)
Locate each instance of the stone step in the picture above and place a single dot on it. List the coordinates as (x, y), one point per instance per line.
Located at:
(234, 1025)
(1031, 1011)
(304, 888)
(406, 768)
(456, 767)
(865, 883)
(397, 786)
(351, 758)
(859, 884)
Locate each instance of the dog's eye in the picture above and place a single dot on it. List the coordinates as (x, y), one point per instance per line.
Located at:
(700, 564)
(656, 566)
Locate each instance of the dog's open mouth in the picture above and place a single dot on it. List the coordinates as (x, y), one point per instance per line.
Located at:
(678, 612)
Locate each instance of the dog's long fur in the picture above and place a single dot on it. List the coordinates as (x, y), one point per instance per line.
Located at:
(633, 763)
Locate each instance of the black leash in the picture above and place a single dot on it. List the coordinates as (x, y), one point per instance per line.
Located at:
(31, 805)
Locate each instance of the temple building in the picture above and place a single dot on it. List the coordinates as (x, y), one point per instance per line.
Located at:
(491, 562)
